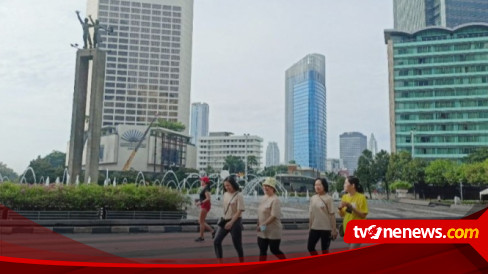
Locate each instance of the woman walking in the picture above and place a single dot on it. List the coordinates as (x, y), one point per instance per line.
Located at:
(322, 220)
(353, 205)
(233, 204)
(204, 202)
(269, 224)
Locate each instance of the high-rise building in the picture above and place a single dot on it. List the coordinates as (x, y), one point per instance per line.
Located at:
(413, 15)
(334, 165)
(438, 93)
(272, 154)
(373, 145)
(199, 121)
(148, 66)
(352, 145)
(305, 113)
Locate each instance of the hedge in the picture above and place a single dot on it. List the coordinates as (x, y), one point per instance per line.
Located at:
(90, 197)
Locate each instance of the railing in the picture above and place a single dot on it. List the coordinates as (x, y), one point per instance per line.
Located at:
(93, 215)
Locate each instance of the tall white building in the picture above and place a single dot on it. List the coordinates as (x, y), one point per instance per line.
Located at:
(373, 145)
(199, 121)
(272, 154)
(148, 68)
(212, 149)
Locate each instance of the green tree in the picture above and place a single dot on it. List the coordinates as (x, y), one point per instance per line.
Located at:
(397, 166)
(233, 164)
(381, 161)
(475, 173)
(366, 170)
(292, 162)
(209, 170)
(479, 155)
(175, 126)
(5, 171)
(252, 161)
(52, 165)
(435, 172)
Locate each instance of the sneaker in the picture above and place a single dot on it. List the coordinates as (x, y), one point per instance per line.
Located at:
(199, 239)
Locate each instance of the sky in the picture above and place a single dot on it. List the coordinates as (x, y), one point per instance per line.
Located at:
(241, 50)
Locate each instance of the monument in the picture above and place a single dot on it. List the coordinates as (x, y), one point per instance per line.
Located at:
(97, 59)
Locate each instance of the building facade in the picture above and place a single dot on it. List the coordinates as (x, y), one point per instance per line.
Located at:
(213, 149)
(438, 90)
(148, 66)
(272, 154)
(199, 121)
(334, 165)
(373, 145)
(413, 15)
(162, 149)
(305, 113)
(352, 145)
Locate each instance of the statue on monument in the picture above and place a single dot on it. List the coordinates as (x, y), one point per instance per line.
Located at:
(97, 37)
(86, 27)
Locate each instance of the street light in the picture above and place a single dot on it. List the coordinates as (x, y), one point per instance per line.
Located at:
(412, 132)
(245, 158)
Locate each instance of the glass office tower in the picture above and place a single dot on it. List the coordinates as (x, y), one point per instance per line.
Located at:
(305, 110)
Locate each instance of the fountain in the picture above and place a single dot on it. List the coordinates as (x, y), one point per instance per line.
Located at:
(41, 181)
(308, 196)
(143, 180)
(22, 178)
(115, 181)
(77, 181)
(47, 181)
(57, 181)
(174, 175)
(65, 176)
(124, 181)
(89, 180)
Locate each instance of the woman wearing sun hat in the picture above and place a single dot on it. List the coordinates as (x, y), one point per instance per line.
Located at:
(204, 203)
(269, 225)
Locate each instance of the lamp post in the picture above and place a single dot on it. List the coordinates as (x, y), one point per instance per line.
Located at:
(245, 157)
(412, 132)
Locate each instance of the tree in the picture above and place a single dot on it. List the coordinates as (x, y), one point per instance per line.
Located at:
(209, 170)
(5, 171)
(175, 126)
(381, 161)
(233, 164)
(365, 169)
(435, 172)
(479, 155)
(271, 171)
(397, 166)
(52, 165)
(292, 162)
(251, 162)
(476, 173)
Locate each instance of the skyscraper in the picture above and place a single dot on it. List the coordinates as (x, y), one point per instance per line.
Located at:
(199, 121)
(438, 91)
(373, 145)
(352, 145)
(305, 113)
(148, 68)
(272, 154)
(413, 15)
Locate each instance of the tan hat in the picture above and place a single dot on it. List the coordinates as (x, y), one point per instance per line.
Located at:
(270, 182)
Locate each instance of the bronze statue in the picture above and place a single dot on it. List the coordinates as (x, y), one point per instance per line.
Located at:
(86, 27)
(97, 38)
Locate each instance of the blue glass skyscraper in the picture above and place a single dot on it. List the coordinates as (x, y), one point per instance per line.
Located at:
(305, 113)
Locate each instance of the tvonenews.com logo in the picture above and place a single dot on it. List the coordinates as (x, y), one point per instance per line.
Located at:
(376, 232)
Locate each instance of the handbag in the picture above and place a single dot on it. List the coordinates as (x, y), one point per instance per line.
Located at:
(222, 222)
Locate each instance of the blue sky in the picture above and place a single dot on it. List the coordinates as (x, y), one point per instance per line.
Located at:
(241, 49)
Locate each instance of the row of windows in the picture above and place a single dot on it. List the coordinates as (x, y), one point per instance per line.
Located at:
(409, 39)
(441, 70)
(138, 99)
(441, 93)
(443, 81)
(442, 139)
(446, 127)
(136, 118)
(441, 104)
(142, 93)
(129, 112)
(441, 59)
(157, 16)
(138, 4)
(113, 22)
(441, 151)
(441, 48)
(142, 74)
(145, 87)
(441, 116)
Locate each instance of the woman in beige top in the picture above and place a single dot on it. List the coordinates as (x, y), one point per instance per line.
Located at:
(322, 218)
(269, 224)
(233, 208)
